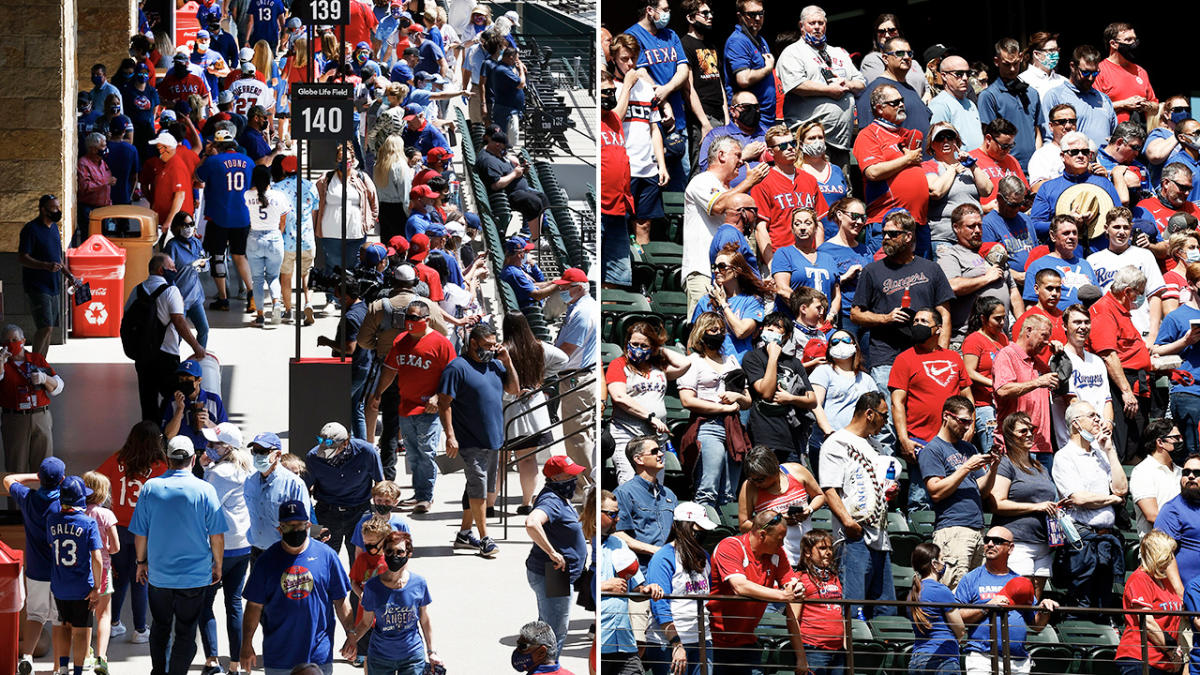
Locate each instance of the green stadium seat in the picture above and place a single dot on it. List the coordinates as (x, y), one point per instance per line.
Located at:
(1087, 633)
(902, 579)
(870, 657)
(623, 301)
(903, 544)
(1100, 661)
(662, 253)
(608, 352)
(896, 522)
(921, 522)
(672, 203)
(822, 519)
(860, 630)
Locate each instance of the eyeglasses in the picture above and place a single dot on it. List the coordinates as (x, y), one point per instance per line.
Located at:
(1023, 431)
(707, 12)
(414, 317)
(996, 541)
(1075, 152)
(895, 103)
(1007, 147)
(1186, 187)
(1063, 120)
(611, 514)
(901, 53)
(326, 442)
(772, 522)
(887, 31)
(784, 146)
(1190, 473)
(755, 15)
(957, 74)
(1176, 437)
(1089, 74)
(892, 234)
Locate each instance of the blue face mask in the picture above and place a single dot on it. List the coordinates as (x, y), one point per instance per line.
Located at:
(638, 354)
(566, 296)
(814, 40)
(262, 462)
(170, 276)
(522, 663)
(663, 19)
(1051, 61)
(1177, 117)
(97, 80)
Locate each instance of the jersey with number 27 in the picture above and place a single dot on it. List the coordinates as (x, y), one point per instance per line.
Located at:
(226, 176)
(248, 92)
(72, 536)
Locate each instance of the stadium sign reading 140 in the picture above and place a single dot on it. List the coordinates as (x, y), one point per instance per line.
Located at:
(322, 111)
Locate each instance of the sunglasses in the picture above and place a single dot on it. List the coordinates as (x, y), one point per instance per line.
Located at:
(772, 522)
(326, 442)
(895, 103)
(962, 420)
(784, 146)
(373, 549)
(1190, 473)
(755, 15)
(901, 53)
(610, 514)
(1064, 120)
(857, 217)
(996, 541)
(892, 234)
(1182, 110)
(887, 31)
(1089, 74)
(841, 341)
(946, 137)
(1023, 431)
(707, 12)
(414, 317)
(723, 267)
(1186, 187)
(957, 74)
(1075, 152)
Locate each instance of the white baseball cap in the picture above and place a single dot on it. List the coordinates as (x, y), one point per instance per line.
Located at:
(225, 432)
(691, 512)
(165, 138)
(180, 447)
(245, 54)
(512, 16)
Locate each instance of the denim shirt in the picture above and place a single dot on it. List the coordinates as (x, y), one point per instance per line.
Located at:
(263, 497)
(647, 511)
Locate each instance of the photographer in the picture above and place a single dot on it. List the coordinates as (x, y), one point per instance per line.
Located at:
(192, 409)
(345, 345)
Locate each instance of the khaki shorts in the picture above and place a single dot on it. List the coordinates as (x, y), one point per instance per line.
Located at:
(962, 551)
(696, 285)
(289, 262)
(639, 618)
(39, 602)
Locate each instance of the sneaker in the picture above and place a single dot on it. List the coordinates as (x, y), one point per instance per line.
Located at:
(140, 637)
(220, 304)
(276, 312)
(488, 548)
(421, 507)
(117, 630)
(25, 666)
(212, 670)
(524, 510)
(409, 503)
(308, 315)
(286, 317)
(466, 540)
(101, 667)
(260, 321)
(491, 512)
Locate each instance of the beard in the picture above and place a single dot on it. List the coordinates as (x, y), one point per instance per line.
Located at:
(1191, 494)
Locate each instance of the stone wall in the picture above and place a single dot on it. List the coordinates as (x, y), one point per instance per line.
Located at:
(103, 31)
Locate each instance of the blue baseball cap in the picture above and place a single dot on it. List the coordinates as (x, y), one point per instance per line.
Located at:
(119, 125)
(203, 35)
(516, 245)
(73, 492)
(412, 110)
(294, 23)
(435, 230)
(292, 511)
(373, 254)
(362, 45)
(267, 441)
(51, 472)
(401, 72)
(190, 367)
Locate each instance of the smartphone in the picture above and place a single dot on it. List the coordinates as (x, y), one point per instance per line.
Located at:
(1194, 322)
(795, 511)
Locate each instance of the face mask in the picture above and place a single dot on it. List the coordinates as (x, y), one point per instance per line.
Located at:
(262, 462)
(485, 355)
(201, 47)
(1192, 142)
(1086, 435)
(97, 80)
(842, 351)
(179, 70)
(188, 232)
(395, 563)
(214, 455)
(920, 333)
(295, 538)
(1193, 255)
(640, 354)
(1051, 61)
(360, 57)
(381, 509)
(749, 117)
(813, 149)
(170, 276)
(187, 387)
(562, 488)
(141, 78)
(1139, 301)
(815, 41)
(1129, 51)
(772, 338)
(608, 99)
(713, 341)
(565, 296)
(663, 19)
(16, 346)
(54, 216)
(521, 662)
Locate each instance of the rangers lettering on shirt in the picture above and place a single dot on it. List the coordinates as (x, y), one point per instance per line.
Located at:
(1082, 381)
(890, 286)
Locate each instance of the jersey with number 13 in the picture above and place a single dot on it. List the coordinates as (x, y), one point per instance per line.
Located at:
(72, 537)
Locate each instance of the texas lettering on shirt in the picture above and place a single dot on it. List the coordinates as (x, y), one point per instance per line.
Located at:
(659, 55)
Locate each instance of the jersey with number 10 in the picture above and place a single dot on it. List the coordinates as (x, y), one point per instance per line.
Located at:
(226, 176)
(72, 536)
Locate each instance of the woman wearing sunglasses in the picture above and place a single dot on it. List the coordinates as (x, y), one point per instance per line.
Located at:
(886, 27)
(954, 178)
(739, 297)
(850, 253)
(985, 339)
(837, 386)
(189, 256)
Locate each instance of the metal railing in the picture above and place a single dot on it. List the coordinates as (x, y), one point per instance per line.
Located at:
(1085, 642)
(580, 379)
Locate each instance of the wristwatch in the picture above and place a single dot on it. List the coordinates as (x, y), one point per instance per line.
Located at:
(675, 641)
(143, 562)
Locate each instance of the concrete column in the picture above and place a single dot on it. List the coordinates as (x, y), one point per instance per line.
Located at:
(103, 31)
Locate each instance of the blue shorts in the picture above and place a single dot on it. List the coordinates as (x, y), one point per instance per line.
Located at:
(45, 308)
(614, 250)
(647, 198)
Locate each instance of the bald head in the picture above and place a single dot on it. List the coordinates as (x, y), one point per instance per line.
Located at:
(741, 212)
(954, 70)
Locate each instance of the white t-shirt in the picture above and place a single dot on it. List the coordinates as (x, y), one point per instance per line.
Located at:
(704, 380)
(1151, 479)
(1046, 162)
(699, 222)
(1041, 81)
(1079, 470)
(1106, 263)
(266, 218)
(248, 92)
(331, 217)
(639, 115)
(837, 470)
(170, 302)
(1089, 382)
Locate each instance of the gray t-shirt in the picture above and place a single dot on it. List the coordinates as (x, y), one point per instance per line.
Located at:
(960, 261)
(962, 191)
(1027, 488)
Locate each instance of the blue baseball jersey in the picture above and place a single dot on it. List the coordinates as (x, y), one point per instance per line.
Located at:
(226, 176)
(72, 535)
(266, 21)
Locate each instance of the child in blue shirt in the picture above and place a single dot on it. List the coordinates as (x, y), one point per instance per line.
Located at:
(75, 580)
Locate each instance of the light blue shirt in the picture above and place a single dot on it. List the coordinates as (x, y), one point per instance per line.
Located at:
(263, 497)
(963, 114)
(177, 513)
(616, 632)
(581, 329)
(1094, 110)
(101, 93)
(309, 205)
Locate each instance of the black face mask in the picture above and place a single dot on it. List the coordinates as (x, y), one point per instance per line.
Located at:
(186, 387)
(1129, 51)
(395, 563)
(179, 70)
(713, 341)
(608, 99)
(295, 538)
(381, 509)
(920, 333)
(54, 216)
(749, 117)
(564, 488)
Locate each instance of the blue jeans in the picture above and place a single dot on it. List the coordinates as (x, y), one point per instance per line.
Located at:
(555, 612)
(422, 434)
(614, 250)
(886, 435)
(380, 666)
(717, 483)
(264, 253)
(934, 664)
(359, 379)
(985, 427)
(867, 575)
(822, 662)
(199, 319)
(658, 659)
(233, 578)
(1185, 410)
(737, 661)
(176, 613)
(339, 252)
(124, 564)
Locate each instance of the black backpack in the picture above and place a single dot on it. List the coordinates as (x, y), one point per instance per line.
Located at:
(141, 331)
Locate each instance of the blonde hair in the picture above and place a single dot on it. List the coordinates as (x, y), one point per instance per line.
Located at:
(241, 458)
(101, 488)
(390, 153)
(263, 56)
(329, 47)
(386, 488)
(775, 132)
(1179, 240)
(704, 322)
(293, 463)
(1156, 553)
(378, 528)
(299, 53)
(806, 127)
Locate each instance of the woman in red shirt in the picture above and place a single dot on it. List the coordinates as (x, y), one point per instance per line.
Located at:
(985, 340)
(820, 622)
(1148, 588)
(786, 488)
(142, 457)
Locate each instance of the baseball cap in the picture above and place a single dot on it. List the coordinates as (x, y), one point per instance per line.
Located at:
(512, 16)
(412, 110)
(438, 153)
(362, 45)
(401, 72)
(334, 431)
(415, 28)
(165, 138)
(119, 125)
(561, 464)
(515, 244)
(936, 51)
(247, 68)
(167, 115)
(572, 275)
(268, 441)
(190, 367)
(691, 512)
(180, 57)
(223, 136)
(290, 164)
(370, 69)
(624, 562)
(203, 35)
(292, 511)
(418, 247)
(51, 472)
(73, 491)
(455, 228)
(1088, 294)
(815, 348)
(405, 273)
(372, 254)
(225, 97)
(245, 54)
(1019, 590)
(422, 191)
(180, 447)
(225, 432)
(399, 243)
(435, 230)
(294, 23)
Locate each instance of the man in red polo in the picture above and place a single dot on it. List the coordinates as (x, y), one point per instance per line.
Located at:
(995, 155)
(890, 158)
(785, 189)
(171, 189)
(752, 565)
(1119, 343)
(1022, 383)
(1048, 286)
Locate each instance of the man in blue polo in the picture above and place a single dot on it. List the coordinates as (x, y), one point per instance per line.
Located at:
(267, 488)
(36, 506)
(749, 63)
(1187, 152)
(192, 409)
(1096, 117)
(420, 134)
(419, 217)
(179, 537)
(525, 279)
(1011, 98)
(341, 472)
(663, 57)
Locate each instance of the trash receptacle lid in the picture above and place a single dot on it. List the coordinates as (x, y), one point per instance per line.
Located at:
(97, 249)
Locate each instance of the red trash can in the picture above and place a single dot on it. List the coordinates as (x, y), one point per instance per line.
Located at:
(101, 264)
(12, 599)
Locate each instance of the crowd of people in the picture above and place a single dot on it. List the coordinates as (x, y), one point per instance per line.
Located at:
(916, 284)
(199, 133)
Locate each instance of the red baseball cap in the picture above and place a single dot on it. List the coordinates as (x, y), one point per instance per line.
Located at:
(561, 464)
(418, 247)
(423, 191)
(438, 153)
(290, 164)
(415, 28)
(815, 349)
(398, 243)
(1020, 591)
(572, 275)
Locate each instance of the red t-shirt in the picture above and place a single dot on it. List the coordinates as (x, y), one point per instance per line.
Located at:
(1176, 284)
(125, 488)
(1113, 330)
(615, 197)
(173, 88)
(1163, 212)
(170, 177)
(1057, 332)
(1011, 365)
(418, 363)
(1144, 592)
(1007, 166)
(362, 23)
(908, 189)
(929, 378)
(16, 391)
(821, 623)
(982, 346)
(430, 277)
(733, 622)
(364, 568)
(1120, 83)
(778, 195)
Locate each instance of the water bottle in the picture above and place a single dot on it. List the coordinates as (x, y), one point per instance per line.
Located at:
(891, 471)
(670, 447)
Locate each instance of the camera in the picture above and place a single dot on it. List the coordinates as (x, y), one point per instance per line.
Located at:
(362, 282)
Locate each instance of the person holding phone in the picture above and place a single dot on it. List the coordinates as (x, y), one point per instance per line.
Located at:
(787, 487)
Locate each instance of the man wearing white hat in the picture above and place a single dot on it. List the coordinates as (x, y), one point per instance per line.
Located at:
(341, 473)
(171, 190)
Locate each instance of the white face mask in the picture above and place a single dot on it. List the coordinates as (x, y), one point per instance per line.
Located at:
(188, 232)
(843, 351)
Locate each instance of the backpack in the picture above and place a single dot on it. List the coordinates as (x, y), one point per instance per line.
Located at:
(141, 331)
